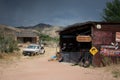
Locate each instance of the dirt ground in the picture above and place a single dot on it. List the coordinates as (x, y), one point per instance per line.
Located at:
(39, 68)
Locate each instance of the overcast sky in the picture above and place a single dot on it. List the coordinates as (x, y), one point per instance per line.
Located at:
(54, 12)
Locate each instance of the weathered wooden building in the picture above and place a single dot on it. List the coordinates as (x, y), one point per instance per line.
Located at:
(27, 35)
(20, 35)
(78, 39)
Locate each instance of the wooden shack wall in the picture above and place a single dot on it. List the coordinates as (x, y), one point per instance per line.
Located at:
(103, 36)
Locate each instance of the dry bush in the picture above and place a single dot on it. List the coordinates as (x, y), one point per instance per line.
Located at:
(116, 73)
(10, 56)
(113, 69)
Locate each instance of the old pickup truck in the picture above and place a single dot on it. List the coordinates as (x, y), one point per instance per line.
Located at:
(33, 49)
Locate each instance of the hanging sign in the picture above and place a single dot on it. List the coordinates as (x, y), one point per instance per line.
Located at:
(83, 38)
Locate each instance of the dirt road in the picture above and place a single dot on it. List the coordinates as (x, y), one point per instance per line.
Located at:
(39, 68)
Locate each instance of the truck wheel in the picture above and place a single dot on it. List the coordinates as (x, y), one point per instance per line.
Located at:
(31, 54)
(24, 54)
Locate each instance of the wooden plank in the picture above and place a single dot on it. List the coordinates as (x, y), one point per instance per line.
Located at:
(117, 36)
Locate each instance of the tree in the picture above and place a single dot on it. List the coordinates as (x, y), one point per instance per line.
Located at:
(112, 11)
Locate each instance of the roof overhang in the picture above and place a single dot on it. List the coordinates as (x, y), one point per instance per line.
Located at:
(89, 24)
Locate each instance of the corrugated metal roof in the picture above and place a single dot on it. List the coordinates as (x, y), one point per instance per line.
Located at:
(26, 33)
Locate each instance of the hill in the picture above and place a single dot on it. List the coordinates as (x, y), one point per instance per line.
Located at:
(44, 29)
(7, 28)
(41, 25)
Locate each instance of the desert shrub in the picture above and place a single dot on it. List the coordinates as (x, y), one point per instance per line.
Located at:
(116, 73)
(7, 44)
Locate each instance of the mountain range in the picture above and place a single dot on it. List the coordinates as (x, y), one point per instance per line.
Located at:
(46, 29)
(41, 25)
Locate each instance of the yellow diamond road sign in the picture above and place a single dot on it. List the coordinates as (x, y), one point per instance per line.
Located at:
(93, 51)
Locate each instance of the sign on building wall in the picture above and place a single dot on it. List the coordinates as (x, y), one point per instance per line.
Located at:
(93, 50)
(117, 36)
(83, 38)
(109, 52)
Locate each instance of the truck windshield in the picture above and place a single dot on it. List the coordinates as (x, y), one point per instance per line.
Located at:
(31, 47)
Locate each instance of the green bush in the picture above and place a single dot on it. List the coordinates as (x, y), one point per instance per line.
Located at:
(7, 44)
(45, 37)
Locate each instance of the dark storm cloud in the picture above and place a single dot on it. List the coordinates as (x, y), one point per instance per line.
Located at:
(56, 12)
